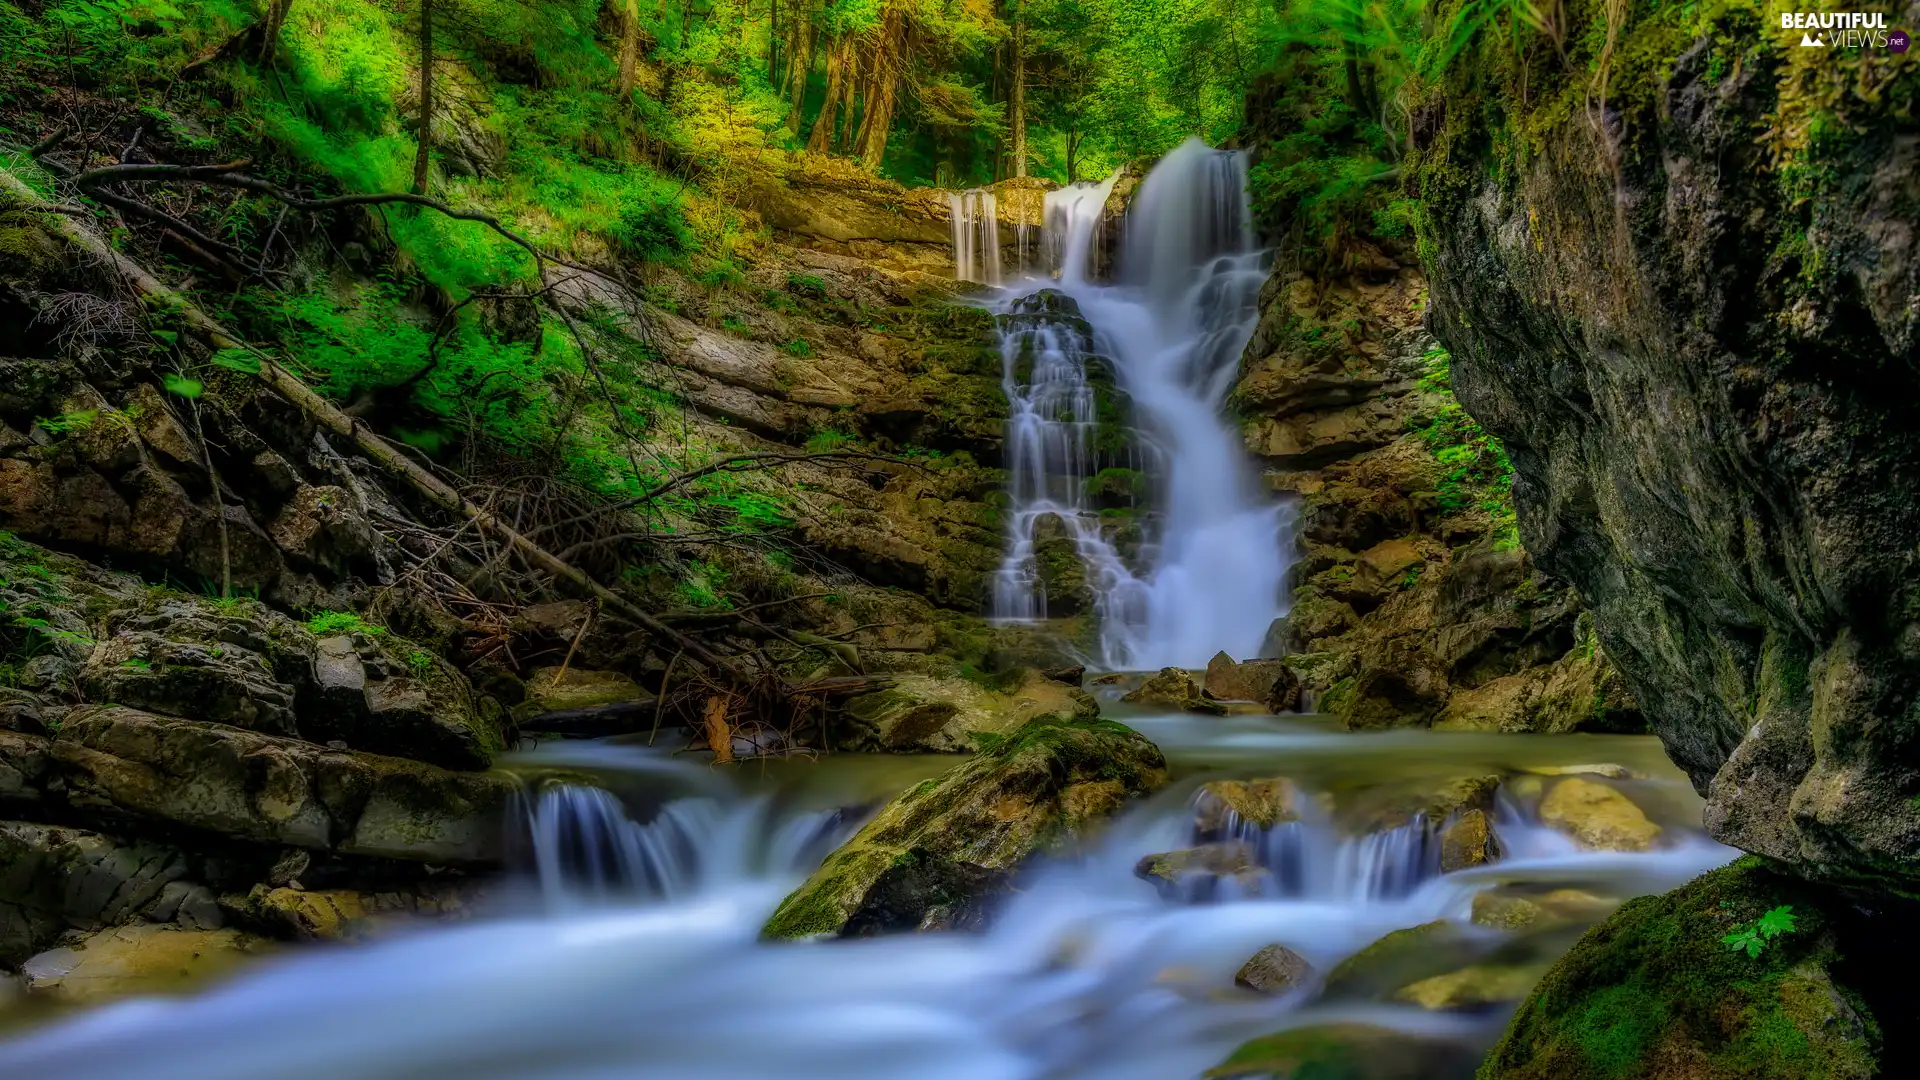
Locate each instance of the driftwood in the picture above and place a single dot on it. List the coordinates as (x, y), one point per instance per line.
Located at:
(377, 449)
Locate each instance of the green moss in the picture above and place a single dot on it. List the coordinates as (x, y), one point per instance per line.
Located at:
(1656, 983)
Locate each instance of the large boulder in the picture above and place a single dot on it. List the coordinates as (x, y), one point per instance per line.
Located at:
(1699, 349)
(1269, 682)
(1173, 688)
(121, 763)
(1033, 790)
(379, 693)
(952, 714)
(1653, 992)
(1346, 1052)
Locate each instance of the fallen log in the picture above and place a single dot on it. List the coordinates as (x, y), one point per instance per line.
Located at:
(594, 721)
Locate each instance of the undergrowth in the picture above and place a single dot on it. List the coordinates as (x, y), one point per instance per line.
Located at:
(1474, 470)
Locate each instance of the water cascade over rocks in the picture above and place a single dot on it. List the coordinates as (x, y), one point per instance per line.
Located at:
(1111, 385)
(976, 236)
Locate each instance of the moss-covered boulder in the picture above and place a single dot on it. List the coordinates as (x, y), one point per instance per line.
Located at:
(949, 714)
(1653, 992)
(1029, 791)
(1475, 986)
(1222, 807)
(1346, 1052)
(1204, 872)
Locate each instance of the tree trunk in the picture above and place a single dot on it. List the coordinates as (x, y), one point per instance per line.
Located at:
(629, 47)
(820, 140)
(1019, 104)
(773, 42)
(849, 99)
(799, 66)
(883, 85)
(276, 18)
(424, 156)
(1073, 156)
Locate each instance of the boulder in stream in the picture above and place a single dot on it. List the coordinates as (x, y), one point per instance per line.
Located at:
(1197, 873)
(1346, 1051)
(1174, 688)
(1598, 816)
(1029, 791)
(1275, 969)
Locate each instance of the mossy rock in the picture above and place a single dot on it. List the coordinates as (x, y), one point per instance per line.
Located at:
(1346, 1052)
(1401, 959)
(1030, 791)
(1653, 992)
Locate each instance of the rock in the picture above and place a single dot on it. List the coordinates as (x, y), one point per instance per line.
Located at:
(1603, 770)
(1472, 987)
(1059, 568)
(1598, 816)
(577, 688)
(1435, 801)
(385, 695)
(23, 767)
(119, 762)
(1193, 874)
(1505, 912)
(1037, 787)
(1343, 1051)
(184, 658)
(1523, 910)
(1390, 558)
(1653, 992)
(1248, 680)
(1286, 694)
(1072, 675)
(1400, 959)
(1467, 841)
(1173, 688)
(922, 892)
(143, 959)
(1758, 592)
(1278, 640)
(953, 714)
(1222, 807)
(352, 915)
(1275, 969)
(321, 528)
(52, 878)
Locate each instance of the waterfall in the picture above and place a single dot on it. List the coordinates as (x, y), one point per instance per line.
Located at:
(1211, 561)
(976, 236)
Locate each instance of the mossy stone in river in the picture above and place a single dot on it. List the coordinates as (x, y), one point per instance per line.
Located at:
(1346, 1052)
(1025, 792)
(1653, 993)
(1402, 958)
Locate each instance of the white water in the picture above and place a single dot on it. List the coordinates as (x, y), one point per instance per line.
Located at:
(652, 969)
(976, 236)
(1210, 576)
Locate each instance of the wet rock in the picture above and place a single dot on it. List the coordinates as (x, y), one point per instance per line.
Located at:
(1220, 804)
(1653, 992)
(920, 892)
(1246, 680)
(1275, 969)
(1598, 816)
(1040, 786)
(1204, 873)
(1061, 572)
(119, 762)
(1174, 688)
(1467, 841)
(1340, 1051)
(1604, 770)
(141, 959)
(1473, 987)
(954, 715)
(1435, 801)
(1401, 959)
(1520, 911)
(23, 767)
(350, 914)
(53, 877)
(1072, 675)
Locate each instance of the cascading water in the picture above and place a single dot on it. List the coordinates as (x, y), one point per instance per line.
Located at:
(1209, 575)
(1088, 973)
(976, 235)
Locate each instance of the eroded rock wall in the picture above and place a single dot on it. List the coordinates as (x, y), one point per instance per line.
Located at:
(1700, 348)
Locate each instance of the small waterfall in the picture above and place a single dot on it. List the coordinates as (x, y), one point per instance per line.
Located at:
(585, 850)
(1307, 859)
(1167, 339)
(976, 236)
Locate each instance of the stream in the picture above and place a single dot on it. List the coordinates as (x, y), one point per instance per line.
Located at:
(627, 944)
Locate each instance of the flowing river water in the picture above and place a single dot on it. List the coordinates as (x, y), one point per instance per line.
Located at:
(630, 946)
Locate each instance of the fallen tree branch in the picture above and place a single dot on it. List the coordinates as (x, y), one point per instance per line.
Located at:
(290, 386)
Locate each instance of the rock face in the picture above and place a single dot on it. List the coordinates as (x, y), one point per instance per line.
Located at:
(1652, 993)
(956, 837)
(1701, 352)
(254, 787)
(1413, 604)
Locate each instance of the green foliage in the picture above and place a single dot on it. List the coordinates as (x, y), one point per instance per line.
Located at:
(69, 422)
(329, 623)
(181, 385)
(821, 442)
(1475, 471)
(797, 347)
(1753, 937)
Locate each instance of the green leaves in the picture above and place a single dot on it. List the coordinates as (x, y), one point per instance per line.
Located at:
(183, 386)
(1753, 938)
